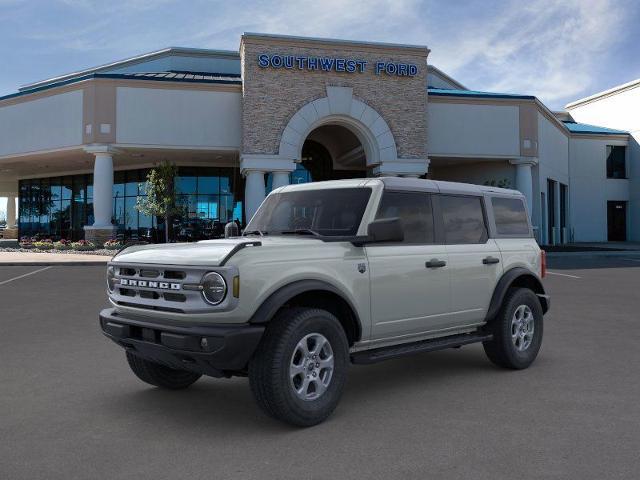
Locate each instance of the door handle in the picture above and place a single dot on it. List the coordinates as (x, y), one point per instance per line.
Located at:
(490, 260)
(435, 263)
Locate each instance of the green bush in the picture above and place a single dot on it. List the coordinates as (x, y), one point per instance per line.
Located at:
(83, 245)
(62, 245)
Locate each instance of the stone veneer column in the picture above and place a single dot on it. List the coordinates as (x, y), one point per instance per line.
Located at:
(254, 192)
(280, 179)
(254, 167)
(102, 228)
(11, 211)
(524, 178)
(11, 232)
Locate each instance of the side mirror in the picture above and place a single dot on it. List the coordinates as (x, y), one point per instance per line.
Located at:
(386, 230)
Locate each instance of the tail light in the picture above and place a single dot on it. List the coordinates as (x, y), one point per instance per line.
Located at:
(543, 263)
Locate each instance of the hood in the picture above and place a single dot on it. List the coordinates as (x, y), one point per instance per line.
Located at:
(207, 252)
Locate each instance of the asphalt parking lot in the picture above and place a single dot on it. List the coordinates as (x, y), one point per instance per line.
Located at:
(71, 409)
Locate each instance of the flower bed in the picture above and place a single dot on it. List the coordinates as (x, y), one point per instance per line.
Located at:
(46, 245)
(113, 245)
(63, 245)
(83, 245)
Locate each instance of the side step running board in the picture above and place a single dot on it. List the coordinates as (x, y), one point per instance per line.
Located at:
(385, 353)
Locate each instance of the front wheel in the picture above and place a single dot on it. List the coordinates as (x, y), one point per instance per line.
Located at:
(517, 330)
(298, 373)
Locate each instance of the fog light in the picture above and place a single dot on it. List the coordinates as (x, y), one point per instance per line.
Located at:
(204, 343)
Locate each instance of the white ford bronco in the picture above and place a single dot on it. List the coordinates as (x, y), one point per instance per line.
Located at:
(330, 274)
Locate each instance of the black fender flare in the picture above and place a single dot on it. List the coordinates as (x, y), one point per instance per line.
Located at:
(280, 297)
(507, 280)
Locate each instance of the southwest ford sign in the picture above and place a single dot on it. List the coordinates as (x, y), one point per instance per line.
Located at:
(334, 64)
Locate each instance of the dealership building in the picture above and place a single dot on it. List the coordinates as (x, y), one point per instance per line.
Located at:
(75, 149)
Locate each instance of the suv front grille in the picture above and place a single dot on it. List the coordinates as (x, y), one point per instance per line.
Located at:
(158, 288)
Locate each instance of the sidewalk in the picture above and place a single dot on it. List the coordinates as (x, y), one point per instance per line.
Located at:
(37, 259)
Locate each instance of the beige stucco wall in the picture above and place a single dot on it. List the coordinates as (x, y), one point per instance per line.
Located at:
(473, 129)
(272, 96)
(178, 117)
(50, 122)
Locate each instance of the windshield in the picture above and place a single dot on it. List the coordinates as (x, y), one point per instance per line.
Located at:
(326, 212)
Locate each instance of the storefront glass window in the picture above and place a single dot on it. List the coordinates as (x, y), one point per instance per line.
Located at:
(59, 207)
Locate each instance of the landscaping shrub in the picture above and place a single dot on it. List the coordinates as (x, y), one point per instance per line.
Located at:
(113, 244)
(62, 245)
(83, 245)
(45, 244)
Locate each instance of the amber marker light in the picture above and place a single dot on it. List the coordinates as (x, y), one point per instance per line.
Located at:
(236, 286)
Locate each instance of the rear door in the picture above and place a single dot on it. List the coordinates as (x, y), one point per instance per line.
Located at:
(475, 263)
(410, 291)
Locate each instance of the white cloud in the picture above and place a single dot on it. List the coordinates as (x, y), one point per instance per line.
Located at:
(547, 48)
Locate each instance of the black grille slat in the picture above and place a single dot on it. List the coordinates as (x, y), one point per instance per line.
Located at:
(174, 297)
(149, 294)
(174, 275)
(149, 273)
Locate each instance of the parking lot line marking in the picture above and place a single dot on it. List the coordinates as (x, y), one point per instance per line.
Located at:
(25, 275)
(563, 274)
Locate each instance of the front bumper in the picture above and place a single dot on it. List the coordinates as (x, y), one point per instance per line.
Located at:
(215, 350)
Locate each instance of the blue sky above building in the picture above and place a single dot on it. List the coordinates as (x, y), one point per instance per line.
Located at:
(557, 51)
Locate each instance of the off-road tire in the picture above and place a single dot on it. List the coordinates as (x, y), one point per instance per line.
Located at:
(159, 375)
(269, 374)
(501, 349)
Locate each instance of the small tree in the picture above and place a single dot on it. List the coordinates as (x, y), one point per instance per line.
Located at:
(502, 183)
(161, 200)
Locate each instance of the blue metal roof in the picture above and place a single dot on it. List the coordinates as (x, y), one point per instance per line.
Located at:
(585, 128)
(444, 92)
(188, 77)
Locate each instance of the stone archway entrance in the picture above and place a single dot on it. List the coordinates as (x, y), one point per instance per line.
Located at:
(333, 152)
(347, 137)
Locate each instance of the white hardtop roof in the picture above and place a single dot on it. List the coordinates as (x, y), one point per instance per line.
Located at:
(399, 183)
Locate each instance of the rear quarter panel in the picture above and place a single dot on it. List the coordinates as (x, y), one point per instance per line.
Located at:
(519, 252)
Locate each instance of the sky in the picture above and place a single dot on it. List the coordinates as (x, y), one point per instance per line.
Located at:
(557, 50)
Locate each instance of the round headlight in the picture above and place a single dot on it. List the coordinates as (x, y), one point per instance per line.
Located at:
(111, 278)
(214, 288)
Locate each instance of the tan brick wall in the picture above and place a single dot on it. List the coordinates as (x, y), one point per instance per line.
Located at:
(271, 96)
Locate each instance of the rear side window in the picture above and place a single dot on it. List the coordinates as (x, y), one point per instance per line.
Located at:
(414, 209)
(463, 219)
(510, 216)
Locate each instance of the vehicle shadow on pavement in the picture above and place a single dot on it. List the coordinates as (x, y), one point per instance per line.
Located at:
(223, 406)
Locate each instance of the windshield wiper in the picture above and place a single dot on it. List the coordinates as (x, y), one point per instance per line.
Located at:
(254, 232)
(301, 231)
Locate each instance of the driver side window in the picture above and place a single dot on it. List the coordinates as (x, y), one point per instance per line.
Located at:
(414, 210)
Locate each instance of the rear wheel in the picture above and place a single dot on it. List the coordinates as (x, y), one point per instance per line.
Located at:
(517, 330)
(298, 373)
(159, 375)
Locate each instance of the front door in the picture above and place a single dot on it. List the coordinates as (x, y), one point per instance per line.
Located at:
(410, 283)
(617, 221)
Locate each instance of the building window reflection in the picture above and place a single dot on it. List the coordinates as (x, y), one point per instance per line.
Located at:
(59, 207)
